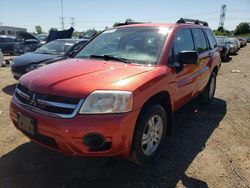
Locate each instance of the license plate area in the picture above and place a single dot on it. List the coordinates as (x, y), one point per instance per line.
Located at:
(26, 124)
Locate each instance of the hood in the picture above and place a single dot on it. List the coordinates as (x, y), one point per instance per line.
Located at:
(25, 35)
(80, 77)
(64, 34)
(29, 58)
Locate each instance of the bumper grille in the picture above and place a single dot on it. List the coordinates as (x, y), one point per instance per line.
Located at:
(58, 106)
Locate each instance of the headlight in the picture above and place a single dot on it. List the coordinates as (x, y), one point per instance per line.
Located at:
(34, 66)
(107, 101)
(231, 45)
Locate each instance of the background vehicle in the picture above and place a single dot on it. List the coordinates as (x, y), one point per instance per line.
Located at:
(224, 47)
(7, 44)
(243, 41)
(49, 53)
(233, 45)
(28, 43)
(1, 58)
(117, 95)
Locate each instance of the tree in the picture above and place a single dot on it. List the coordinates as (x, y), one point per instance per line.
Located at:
(53, 29)
(39, 29)
(242, 28)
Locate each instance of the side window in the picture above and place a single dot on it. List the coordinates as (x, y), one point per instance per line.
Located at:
(200, 40)
(211, 38)
(183, 40)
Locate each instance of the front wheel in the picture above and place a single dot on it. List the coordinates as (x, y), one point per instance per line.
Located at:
(208, 94)
(149, 134)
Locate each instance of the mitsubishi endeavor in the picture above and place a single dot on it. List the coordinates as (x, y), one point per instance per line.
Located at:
(117, 95)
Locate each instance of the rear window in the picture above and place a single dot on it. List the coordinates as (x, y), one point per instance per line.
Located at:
(211, 38)
(200, 40)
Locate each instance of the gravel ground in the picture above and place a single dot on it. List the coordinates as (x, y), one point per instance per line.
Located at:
(209, 146)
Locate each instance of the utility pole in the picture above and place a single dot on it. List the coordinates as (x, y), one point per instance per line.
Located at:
(222, 15)
(62, 18)
(72, 22)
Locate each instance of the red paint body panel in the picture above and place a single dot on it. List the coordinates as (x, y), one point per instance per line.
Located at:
(79, 77)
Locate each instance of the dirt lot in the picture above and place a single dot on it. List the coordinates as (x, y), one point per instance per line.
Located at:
(209, 146)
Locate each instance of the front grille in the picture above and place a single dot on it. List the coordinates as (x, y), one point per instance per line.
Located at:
(65, 107)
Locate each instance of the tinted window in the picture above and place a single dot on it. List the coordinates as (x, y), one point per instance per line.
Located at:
(200, 40)
(211, 38)
(183, 40)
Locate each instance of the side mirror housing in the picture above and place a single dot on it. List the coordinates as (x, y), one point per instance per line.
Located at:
(188, 57)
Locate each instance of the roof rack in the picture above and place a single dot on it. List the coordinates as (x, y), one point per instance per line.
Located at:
(129, 23)
(187, 20)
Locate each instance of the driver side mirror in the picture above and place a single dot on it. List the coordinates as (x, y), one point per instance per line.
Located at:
(188, 57)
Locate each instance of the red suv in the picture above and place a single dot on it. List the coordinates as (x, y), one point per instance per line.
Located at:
(117, 95)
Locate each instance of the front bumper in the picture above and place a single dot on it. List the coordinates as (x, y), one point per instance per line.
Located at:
(66, 135)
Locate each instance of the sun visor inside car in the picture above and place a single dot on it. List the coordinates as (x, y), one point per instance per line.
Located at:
(53, 35)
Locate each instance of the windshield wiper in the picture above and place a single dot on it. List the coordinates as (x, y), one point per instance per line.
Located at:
(109, 57)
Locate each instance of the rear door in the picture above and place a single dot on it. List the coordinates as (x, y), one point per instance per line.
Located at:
(202, 71)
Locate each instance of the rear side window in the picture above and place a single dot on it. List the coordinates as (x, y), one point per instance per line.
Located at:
(211, 38)
(183, 40)
(200, 40)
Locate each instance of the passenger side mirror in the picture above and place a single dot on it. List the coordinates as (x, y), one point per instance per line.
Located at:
(188, 57)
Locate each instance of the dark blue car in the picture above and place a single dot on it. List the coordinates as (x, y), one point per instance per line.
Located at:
(49, 53)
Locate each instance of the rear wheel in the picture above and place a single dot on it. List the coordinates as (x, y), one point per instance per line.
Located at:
(208, 95)
(149, 134)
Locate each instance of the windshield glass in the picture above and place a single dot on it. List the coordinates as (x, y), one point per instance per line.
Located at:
(136, 44)
(220, 40)
(231, 41)
(56, 47)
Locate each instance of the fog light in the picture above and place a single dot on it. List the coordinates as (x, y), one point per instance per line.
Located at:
(96, 142)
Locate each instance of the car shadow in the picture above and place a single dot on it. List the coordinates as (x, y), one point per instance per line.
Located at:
(29, 165)
(10, 89)
(227, 60)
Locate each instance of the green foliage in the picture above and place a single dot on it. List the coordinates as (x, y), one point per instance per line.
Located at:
(242, 28)
(39, 29)
(53, 29)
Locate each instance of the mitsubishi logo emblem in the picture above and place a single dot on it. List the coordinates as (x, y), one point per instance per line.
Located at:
(32, 101)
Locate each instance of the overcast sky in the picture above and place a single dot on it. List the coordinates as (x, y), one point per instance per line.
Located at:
(97, 14)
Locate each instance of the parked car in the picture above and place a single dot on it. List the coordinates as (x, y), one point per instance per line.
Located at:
(1, 59)
(49, 53)
(224, 47)
(28, 43)
(7, 44)
(238, 43)
(248, 39)
(233, 46)
(243, 41)
(117, 95)
(42, 37)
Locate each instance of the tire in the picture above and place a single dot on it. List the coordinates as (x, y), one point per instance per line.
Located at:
(207, 96)
(144, 150)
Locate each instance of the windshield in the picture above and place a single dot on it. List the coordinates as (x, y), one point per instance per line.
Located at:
(221, 40)
(136, 44)
(56, 47)
(231, 41)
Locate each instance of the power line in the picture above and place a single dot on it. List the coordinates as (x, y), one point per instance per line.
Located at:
(72, 22)
(62, 18)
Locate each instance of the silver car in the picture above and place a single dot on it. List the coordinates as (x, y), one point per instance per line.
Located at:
(233, 46)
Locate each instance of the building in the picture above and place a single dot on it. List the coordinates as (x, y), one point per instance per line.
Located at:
(8, 30)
